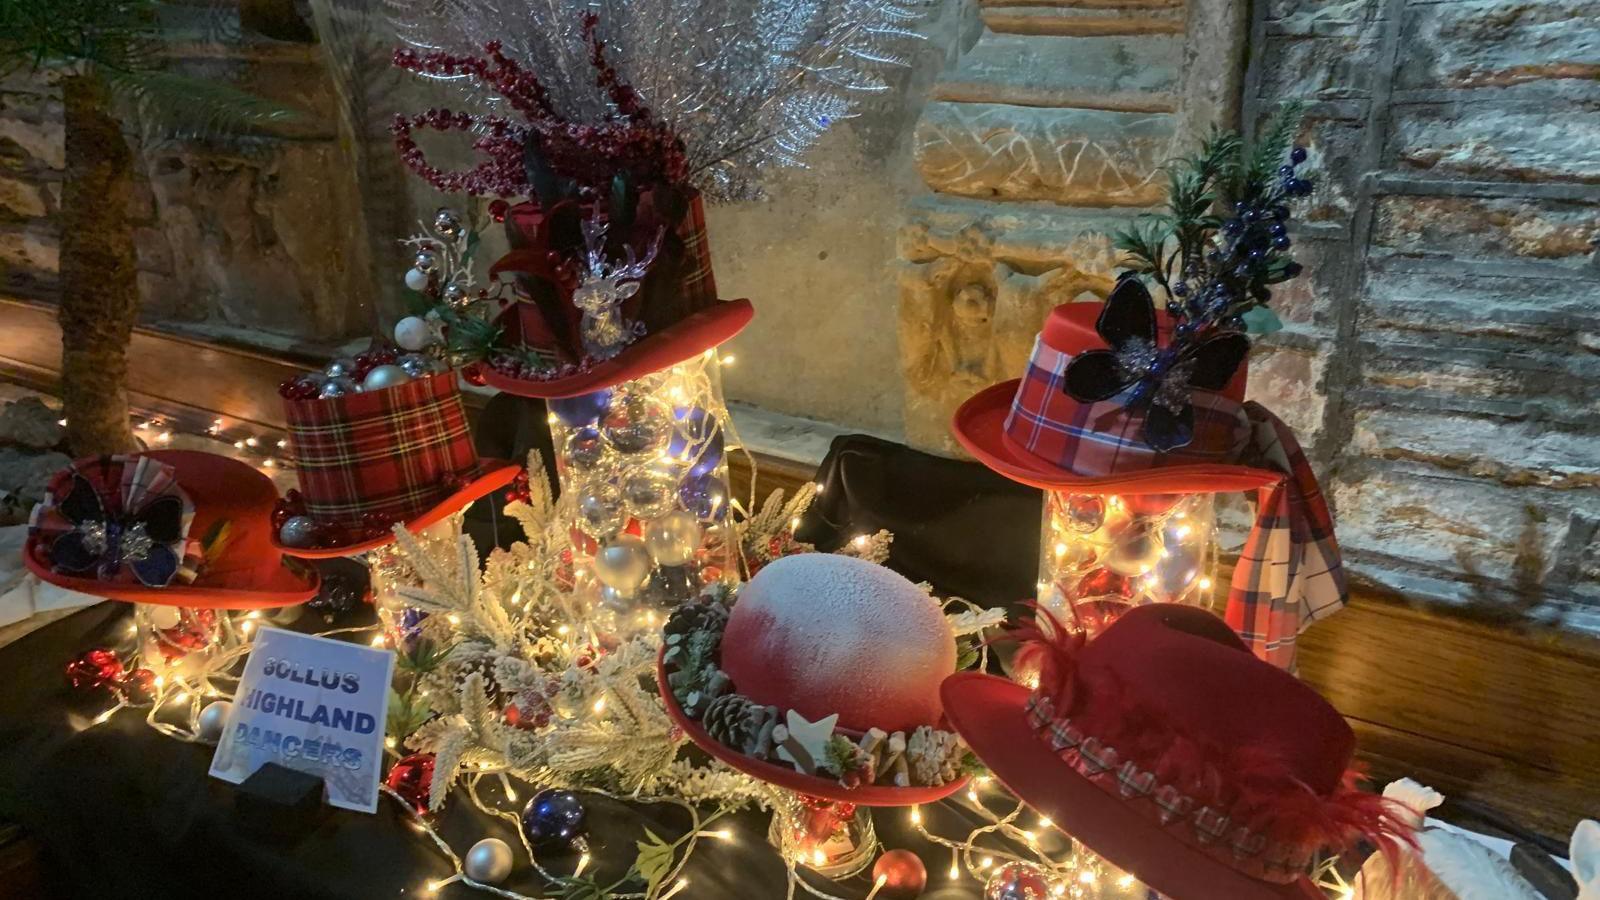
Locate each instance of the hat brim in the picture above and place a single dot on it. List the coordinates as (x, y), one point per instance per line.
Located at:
(663, 349)
(979, 425)
(493, 475)
(220, 488)
(789, 779)
(990, 715)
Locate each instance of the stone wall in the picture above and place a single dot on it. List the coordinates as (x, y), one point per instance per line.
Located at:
(1442, 355)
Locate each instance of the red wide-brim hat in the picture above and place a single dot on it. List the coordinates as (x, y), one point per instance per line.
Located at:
(676, 343)
(790, 779)
(491, 475)
(247, 573)
(989, 713)
(996, 425)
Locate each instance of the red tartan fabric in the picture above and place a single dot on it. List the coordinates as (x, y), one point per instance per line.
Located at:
(389, 453)
(1289, 574)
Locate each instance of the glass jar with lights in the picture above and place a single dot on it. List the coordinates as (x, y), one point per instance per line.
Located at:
(1100, 554)
(644, 479)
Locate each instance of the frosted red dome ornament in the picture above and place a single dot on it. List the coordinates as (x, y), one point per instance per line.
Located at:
(822, 678)
(821, 633)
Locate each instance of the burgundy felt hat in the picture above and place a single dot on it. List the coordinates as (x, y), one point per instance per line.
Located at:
(1169, 749)
(176, 499)
(1033, 431)
(675, 303)
(370, 460)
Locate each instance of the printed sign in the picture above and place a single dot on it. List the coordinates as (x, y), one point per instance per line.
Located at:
(311, 704)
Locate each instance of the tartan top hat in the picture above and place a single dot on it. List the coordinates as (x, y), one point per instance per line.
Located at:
(1166, 747)
(172, 527)
(1036, 431)
(667, 306)
(369, 460)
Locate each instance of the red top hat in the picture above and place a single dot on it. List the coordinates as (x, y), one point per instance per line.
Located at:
(1167, 748)
(1035, 431)
(370, 460)
(149, 528)
(674, 303)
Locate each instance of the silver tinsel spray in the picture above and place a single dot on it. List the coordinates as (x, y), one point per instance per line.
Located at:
(748, 85)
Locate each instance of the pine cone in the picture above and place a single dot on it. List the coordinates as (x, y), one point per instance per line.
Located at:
(732, 719)
(696, 615)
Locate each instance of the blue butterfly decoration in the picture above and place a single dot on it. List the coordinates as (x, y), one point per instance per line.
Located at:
(1156, 380)
(101, 543)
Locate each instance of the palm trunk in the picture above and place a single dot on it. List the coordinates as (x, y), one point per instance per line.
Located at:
(99, 290)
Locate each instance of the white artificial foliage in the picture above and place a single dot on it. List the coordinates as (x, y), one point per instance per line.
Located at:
(748, 85)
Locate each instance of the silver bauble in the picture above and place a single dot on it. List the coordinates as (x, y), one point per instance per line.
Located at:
(489, 861)
(418, 365)
(298, 531)
(455, 294)
(1085, 512)
(673, 538)
(637, 423)
(417, 280)
(1136, 553)
(447, 222)
(650, 492)
(600, 510)
(338, 386)
(382, 377)
(215, 715)
(413, 333)
(615, 600)
(426, 261)
(586, 451)
(1018, 881)
(343, 367)
(623, 564)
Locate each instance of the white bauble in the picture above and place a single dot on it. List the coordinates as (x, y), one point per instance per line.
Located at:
(382, 377)
(673, 538)
(417, 280)
(413, 333)
(623, 564)
(212, 718)
(489, 861)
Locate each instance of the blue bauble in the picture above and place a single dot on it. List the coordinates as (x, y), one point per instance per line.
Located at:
(553, 819)
(585, 409)
(704, 495)
(409, 625)
(697, 437)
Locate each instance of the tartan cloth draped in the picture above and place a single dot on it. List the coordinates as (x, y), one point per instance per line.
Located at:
(389, 453)
(1289, 573)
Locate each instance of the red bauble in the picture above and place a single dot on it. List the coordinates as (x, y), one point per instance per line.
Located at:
(411, 778)
(473, 375)
(193, 632)
(1151, 504)
(139, 686)
(904, 876)
(1103, 582)
(94, 669)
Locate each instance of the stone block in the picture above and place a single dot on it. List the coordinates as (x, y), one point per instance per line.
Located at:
(1459, 306)
(1080, 157)
(21, 200)
(1491, 142)
(1515, 453)
(1496, 43)
(1110, 72)
(1488, 228)
(1288, 381)
(34, 247)
(1324, 63)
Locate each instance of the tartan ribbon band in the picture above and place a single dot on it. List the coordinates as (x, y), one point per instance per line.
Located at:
(386, 454)
(1290, 572)
(1208, 829)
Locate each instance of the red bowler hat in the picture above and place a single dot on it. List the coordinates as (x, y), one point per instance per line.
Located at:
(371, 460)
(1036, 430)
(665, 294)
(172, 527)
(1166, 747)
(791, 779)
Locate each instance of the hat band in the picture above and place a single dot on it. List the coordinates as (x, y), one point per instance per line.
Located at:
(1105, 437)
(1197, 824)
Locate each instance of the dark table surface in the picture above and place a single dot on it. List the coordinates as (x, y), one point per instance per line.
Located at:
(119, 810)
